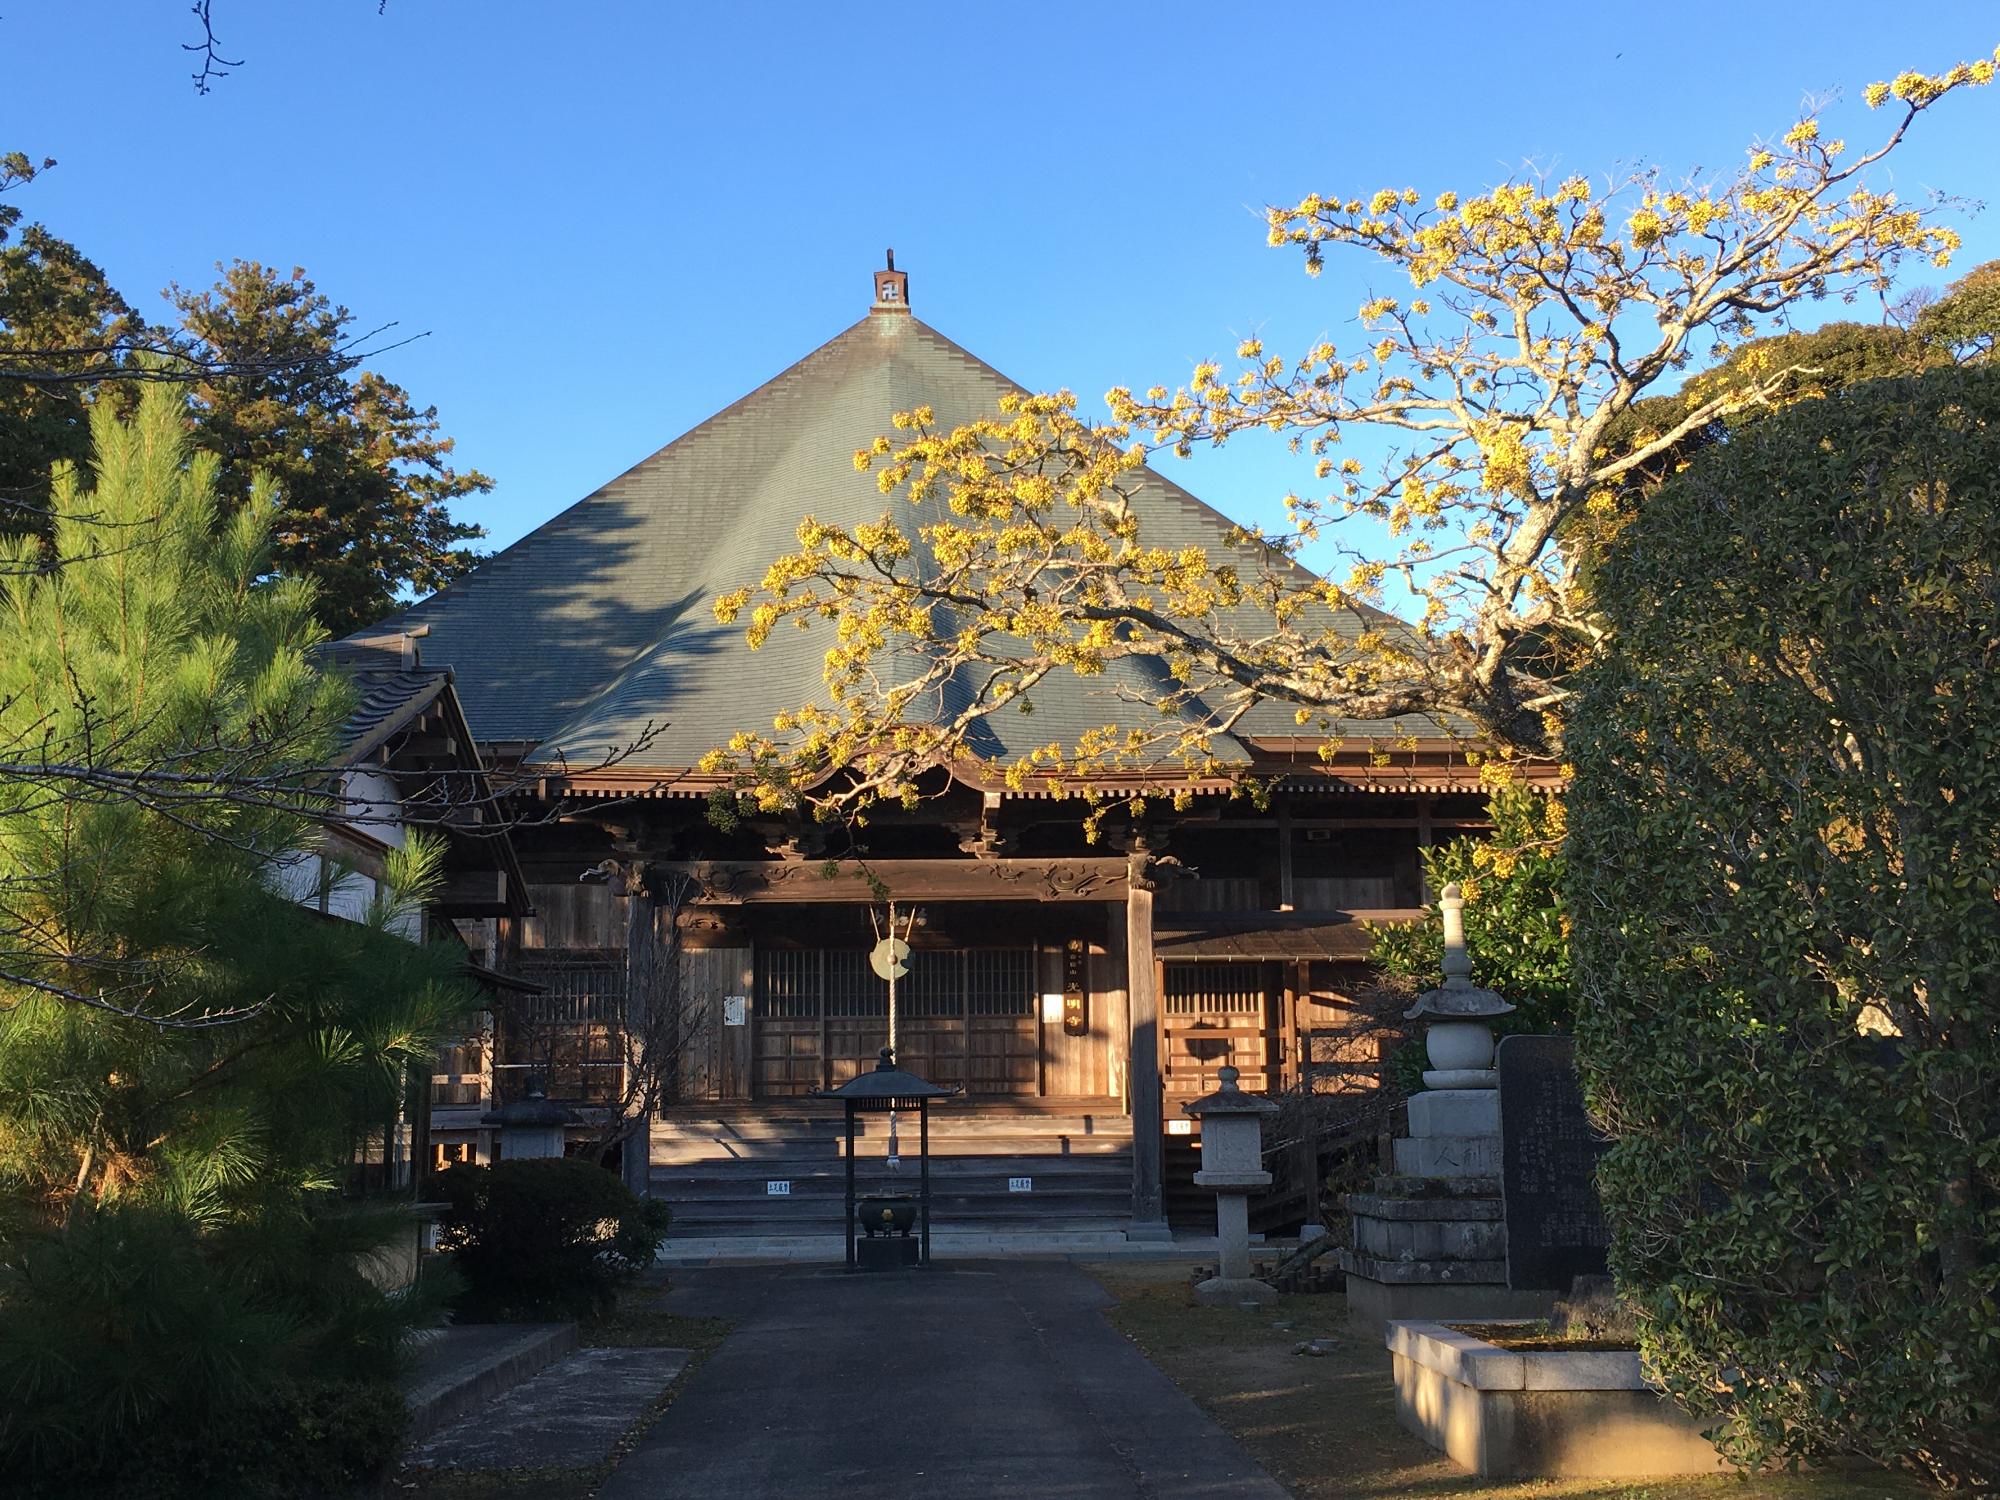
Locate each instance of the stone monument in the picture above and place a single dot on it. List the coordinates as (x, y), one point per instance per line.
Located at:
(1430, 1241)
(1232, 1164)
(1549, 1154)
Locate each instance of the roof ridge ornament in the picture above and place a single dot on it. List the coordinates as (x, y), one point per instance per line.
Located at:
(892, 289)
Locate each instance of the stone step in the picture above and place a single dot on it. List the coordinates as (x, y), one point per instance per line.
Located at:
(726, 1226)
(681, 1149)
(965, 1212)
(1063, 1194)
(827, 1246)
(999, 1165)
(990, 1193)
(830, 1118)
(681, 1155)
(461, 1369)
(943, 1127)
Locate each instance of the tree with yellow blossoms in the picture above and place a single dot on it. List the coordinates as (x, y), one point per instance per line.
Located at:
(1539, 313)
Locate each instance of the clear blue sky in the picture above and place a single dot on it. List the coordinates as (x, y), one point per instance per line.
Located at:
(614, 218)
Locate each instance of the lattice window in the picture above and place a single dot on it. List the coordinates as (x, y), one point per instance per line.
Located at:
(569, 1036)
(1214, 989)
(941, 985)
(851, 990)
(581, 987)
(934, 987)
(1000, 982)
(788, 984)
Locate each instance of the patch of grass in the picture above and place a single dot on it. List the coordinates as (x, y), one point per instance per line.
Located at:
(638, 1322)
(1326, 1427)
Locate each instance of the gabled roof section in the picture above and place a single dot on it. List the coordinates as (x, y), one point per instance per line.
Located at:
(396, 691)
(392, 690)
(597, 629)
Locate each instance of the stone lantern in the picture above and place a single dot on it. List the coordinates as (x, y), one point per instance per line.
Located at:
(1232, 1164)
(532, 1126)
(1460, 1101)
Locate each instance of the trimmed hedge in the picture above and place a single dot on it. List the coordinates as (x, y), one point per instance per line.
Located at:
(1785, 836)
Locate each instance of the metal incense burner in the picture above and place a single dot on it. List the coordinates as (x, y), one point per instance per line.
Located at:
(878, 1225)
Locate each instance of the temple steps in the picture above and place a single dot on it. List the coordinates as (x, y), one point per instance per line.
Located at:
(715, 1169)
(743, 1137)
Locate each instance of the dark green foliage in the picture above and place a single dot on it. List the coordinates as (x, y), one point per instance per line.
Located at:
(1826, 359)
(363, 475)
(59, 317)
(553, 1238)
(366, 477)
(141, 1358)
(1966, 320)
(1786, 836)
(1515, 925)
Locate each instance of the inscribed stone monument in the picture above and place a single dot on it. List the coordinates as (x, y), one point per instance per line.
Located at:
(1548, 1164)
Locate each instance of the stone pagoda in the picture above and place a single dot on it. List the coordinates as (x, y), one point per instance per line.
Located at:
(1431, 1241)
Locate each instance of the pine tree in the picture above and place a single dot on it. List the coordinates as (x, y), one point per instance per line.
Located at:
(366, 477)
(188, 1060)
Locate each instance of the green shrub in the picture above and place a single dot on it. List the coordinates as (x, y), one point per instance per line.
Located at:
(546, 1238)
(1515, 925)
(1785, 835)
(141, 1359)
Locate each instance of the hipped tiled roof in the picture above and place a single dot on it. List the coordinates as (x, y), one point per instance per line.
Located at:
(600, 622)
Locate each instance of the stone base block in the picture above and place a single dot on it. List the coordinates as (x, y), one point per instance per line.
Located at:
(1412, 1272)
(1455, 1112)
(1231, 1291)
(887, 1253)
(1462, 1078)
(1486, 1187)
(1448, 1155)
(1428, 1239)
(1372, 1305)
(1482, 1203)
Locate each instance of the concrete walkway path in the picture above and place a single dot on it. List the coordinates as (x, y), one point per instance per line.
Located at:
(570, 1416)
(996, 1379)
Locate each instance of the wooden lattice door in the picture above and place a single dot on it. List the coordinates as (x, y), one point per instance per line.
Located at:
(963, 1016)
(1215, 1014)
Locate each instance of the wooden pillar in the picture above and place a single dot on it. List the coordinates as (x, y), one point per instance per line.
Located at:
(1142, 1001)
(641, 953)
(1287, 901)
(1425, 834)
(1114, 1022)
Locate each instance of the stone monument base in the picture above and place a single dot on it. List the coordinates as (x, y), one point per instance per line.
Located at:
(1431, 1247)
(1372, 1304)
(1232, 1291)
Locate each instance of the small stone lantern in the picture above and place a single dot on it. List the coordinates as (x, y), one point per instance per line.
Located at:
(1232, 1164)
(532, 1126)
